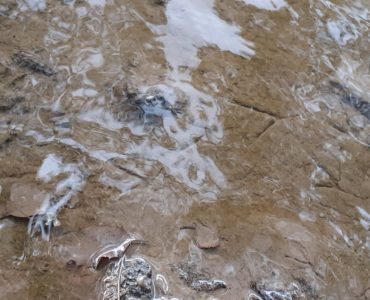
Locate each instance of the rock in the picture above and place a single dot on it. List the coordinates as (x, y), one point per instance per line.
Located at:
(4, 137)
(7, 101)
(4, 71)
(33, 63)
(128, 279)
(295, 291)
(197, 280)
(351, 98)
(367, 294)
(206, 237)
(160, 2)
(25, 200)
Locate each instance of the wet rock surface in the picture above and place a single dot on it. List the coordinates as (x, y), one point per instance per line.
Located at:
(77, 248)
(25, 200)
(205, 236)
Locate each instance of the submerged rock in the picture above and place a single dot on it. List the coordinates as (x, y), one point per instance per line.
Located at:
(128, 279)
(4, 70)
(149, 108)
(4, 138)
(295, 291)
(7, 101)
(206, 237)
(25, 200)
(198, 280)
(351, 98)
(33, 63)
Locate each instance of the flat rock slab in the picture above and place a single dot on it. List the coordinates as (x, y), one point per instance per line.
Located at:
(206, 237)
(25, 200)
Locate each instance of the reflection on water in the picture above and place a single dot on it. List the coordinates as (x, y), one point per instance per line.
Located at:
(199, 121)
(183, 121)
(34, 5)
(65, 189)
(194, 24)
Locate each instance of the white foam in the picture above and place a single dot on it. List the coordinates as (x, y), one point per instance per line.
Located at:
(81, 12)
(313, 106)
(365, 224)
(123, 185)
(101, 117)
(87, 59)
(341, 155)
(34, 5)
(40, 138)
(64, 191)
(342, 234)
(100, 3)
(178, 163)
(365, 221)
(341, 32)
(363, 213)
(306, 216)
(84, 92)
(51, 166)
(319, 175)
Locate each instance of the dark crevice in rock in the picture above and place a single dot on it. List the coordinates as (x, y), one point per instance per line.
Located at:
(269, 125)
(33, 63)
(257, 109)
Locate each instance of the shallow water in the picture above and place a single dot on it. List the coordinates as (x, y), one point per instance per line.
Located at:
(252, 140)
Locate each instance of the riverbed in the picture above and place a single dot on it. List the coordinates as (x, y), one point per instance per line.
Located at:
(232, 135)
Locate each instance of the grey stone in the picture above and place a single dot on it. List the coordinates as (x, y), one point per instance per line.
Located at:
(134, 277)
